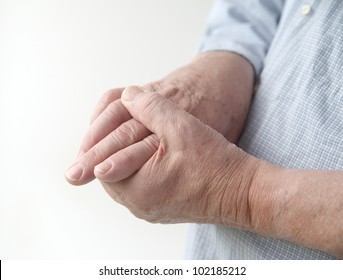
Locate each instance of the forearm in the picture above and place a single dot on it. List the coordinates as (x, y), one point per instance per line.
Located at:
(301, 206)
(215, 87)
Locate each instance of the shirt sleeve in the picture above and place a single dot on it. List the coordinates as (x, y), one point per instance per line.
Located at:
(246, 27)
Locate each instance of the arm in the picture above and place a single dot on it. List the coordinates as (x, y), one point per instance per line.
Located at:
(216, 87)
(197, 176)
(294, 205)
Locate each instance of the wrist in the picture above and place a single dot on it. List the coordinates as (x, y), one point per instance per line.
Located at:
(233, 186)
(267, 198)
(251, 191)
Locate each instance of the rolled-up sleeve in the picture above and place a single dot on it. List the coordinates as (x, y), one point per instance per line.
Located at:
(246, 27)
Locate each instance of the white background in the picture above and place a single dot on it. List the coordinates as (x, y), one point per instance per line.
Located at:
(57, 57)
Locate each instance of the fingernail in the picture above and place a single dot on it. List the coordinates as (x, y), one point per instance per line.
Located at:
(103, 167)
(130, 93)
(74, 173)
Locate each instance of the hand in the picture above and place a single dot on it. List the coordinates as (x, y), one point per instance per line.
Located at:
(219, 97)
(112, 129)
(195, 175)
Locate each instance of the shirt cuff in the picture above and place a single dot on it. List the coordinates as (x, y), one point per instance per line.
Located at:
(249, 52)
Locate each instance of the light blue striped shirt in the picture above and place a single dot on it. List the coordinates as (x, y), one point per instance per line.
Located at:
(296, 117)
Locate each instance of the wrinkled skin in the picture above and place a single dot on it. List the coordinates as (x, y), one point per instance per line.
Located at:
(183, 181)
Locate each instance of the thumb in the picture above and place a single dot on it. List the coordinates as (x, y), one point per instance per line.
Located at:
(159, 114)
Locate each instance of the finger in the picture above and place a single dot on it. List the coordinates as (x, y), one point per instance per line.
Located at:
(125, 135)
(126, 162)
(160, 115)
(108, 97)
(111, 117)
(109, 114)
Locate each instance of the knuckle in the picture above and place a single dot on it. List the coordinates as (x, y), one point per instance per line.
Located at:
(115, 140)
(126, 158)
(150, 102)
(152, 219)
(126, 133)
(113, 109)
(146, 213)
(116, 112)
(94, 156)
(151, 142)
(154, 86)
(107, 95)
(182, 126)
(150, 106)
(111, 94)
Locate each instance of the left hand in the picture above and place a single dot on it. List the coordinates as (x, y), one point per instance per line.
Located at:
(195, 175)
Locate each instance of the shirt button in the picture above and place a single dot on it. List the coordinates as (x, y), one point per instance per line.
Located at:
(305, 10)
